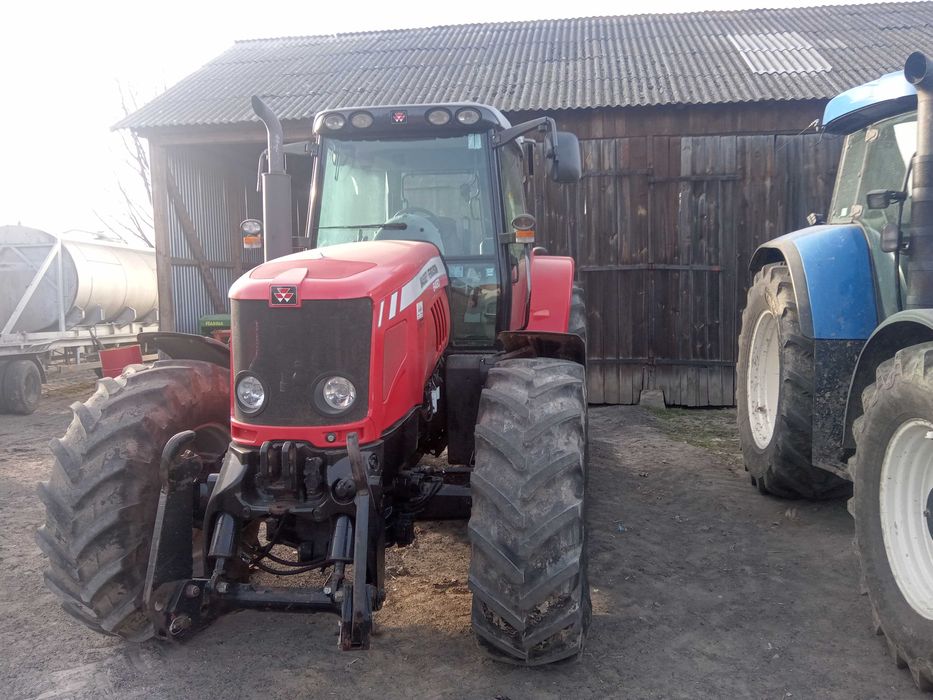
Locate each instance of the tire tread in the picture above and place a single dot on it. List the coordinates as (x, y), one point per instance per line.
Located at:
(530, 597)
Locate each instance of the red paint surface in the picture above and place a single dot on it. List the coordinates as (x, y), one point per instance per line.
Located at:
(551, 292)
(378, 270)
(114, 360)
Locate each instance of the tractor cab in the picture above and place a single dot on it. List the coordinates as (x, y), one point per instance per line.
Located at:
(874, 179)
(450, 175)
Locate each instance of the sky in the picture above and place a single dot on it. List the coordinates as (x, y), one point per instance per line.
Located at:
(63, 66)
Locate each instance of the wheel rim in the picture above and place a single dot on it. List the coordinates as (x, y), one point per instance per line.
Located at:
(764, 379)
(32, 389)
(906, 485)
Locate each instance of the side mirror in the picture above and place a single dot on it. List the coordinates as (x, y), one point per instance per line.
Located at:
(892, 240)
(562, 151)
(815, 219)
(882, 199)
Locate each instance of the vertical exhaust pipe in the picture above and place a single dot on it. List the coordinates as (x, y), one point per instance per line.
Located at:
(918, 70)
(276, 188)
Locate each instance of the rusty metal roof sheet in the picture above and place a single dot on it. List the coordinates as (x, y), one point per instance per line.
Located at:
(636, 60)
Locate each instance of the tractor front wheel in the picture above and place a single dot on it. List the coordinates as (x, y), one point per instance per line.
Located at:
(531, 601)
(102, 496)
(774, 393)
(893, 506)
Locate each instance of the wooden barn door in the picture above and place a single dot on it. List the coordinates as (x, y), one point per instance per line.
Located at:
(662, 229)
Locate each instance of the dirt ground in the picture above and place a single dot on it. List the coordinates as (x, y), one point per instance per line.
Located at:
(701, 588)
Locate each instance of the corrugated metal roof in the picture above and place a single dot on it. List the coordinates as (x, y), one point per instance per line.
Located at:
(637, 60)
(782, 52)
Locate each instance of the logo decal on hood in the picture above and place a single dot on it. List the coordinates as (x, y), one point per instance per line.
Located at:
(283, 295)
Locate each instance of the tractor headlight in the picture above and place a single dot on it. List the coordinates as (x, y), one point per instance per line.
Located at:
(337, 394)
(468, 116)
(334, 121)
(438, 117)
(362, 120)
(250, 394)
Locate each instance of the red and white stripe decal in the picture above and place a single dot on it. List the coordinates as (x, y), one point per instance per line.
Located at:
(432, 271)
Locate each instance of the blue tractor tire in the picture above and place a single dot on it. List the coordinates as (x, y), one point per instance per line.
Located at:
(774, 393)
(893, 506)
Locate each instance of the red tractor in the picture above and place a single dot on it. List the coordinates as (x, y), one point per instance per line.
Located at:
(417, 319)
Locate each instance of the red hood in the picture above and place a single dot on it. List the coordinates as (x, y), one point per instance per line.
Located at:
(347, 271)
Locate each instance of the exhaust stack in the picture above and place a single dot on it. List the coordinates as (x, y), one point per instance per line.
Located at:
(276, 188)
(918, 70)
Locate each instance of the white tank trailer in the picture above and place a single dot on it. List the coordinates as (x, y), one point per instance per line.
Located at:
(58, 293)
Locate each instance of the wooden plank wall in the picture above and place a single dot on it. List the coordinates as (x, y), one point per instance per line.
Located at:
(662, 229)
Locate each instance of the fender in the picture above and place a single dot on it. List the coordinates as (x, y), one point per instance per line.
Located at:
(187, 346)
(545, 334)
(831, 269)
(898, 331)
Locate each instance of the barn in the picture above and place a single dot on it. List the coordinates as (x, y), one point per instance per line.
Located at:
(699, 137)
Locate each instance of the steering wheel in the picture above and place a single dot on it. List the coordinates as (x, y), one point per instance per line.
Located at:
(415, 210)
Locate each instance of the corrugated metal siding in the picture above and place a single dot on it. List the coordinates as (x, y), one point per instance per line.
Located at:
(190, 296)
(627, 61)
(206, 202)
(214, 197)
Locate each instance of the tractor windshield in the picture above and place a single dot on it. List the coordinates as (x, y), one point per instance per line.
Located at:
(365, 184)
(875, 158)
(434, 189)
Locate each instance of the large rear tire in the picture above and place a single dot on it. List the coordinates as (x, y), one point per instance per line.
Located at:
(774, 393)
(893, 506)
(102, 496)
(531, 600)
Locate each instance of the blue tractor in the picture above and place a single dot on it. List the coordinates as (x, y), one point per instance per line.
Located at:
(835, 371)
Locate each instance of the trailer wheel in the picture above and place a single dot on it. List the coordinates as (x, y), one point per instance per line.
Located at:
(774, 393)
(893, 506)
(103, 493)
(22, 387)
(531, 601)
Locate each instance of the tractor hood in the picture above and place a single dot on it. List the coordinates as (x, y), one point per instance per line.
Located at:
(374, 269)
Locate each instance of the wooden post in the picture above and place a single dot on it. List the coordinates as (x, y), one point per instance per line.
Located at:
(163, 244)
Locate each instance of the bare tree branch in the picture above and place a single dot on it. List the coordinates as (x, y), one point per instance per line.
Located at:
(136, 219)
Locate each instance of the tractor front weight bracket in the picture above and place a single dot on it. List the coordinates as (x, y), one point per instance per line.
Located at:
(171, 555)
(179, 604)
(356, 619)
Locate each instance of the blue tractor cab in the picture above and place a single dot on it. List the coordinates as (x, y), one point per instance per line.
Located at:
(835, 373)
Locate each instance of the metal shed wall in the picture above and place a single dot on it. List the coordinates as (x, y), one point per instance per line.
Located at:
(203, 200)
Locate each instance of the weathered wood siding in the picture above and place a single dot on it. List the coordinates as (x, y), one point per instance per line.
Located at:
(662, 229)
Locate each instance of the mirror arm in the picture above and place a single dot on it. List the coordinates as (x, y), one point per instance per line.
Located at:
(541, 124)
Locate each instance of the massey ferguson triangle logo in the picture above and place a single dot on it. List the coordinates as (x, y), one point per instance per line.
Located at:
(284, 295)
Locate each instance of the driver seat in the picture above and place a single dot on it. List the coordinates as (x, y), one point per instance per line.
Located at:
(417, 228)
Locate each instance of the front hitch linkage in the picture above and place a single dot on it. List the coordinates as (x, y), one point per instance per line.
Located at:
(180, 604)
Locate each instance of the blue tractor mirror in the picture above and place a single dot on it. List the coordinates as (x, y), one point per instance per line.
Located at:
(882, 199)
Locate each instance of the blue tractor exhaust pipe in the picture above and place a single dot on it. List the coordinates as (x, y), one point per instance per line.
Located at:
(918, 70)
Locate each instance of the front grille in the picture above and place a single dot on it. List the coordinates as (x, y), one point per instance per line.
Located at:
(292, 349)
